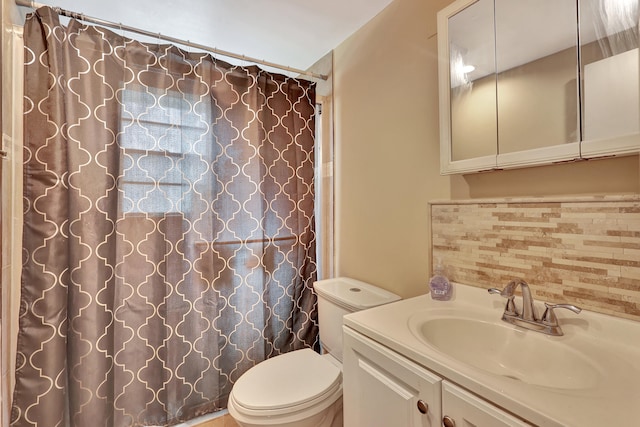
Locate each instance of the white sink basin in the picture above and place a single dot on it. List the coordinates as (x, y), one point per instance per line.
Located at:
(589, 377)
(501, 349)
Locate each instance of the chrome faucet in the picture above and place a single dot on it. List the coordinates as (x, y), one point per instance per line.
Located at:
(527, 318)
(528, 309)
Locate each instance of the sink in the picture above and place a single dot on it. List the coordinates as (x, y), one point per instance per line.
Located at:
(588, 377)
(506, 351)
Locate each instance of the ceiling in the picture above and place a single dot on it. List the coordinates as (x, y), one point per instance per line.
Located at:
(294, 33)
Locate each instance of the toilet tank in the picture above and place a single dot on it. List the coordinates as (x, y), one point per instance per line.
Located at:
(340, 296)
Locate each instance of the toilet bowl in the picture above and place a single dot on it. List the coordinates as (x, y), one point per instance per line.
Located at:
(299, 389)
(303, 388)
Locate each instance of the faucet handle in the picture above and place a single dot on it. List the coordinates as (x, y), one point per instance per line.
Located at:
(507, 292)
(510, 308)
(549, 317)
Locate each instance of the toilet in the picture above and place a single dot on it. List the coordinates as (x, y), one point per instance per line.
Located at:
(303, 388)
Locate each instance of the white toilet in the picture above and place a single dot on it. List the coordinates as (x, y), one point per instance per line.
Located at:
(303, 388)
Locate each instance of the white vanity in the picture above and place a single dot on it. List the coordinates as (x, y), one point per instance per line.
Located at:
(420, 362)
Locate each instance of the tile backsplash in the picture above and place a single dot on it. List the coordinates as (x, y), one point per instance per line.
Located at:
(584, 251)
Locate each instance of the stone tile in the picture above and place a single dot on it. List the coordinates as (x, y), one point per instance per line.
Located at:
(584, 250)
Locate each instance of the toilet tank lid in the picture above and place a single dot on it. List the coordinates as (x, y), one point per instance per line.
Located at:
(353, 294)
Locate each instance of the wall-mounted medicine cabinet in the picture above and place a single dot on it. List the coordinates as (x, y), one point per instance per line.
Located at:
(534, 82)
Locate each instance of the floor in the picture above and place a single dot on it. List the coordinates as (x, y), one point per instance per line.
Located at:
(223, 421)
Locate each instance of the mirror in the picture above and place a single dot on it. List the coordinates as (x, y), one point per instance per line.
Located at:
(472, 80)
(609, 45)
(537, 82)
(526, 82)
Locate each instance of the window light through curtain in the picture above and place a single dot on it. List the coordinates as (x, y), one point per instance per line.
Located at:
(156, 177)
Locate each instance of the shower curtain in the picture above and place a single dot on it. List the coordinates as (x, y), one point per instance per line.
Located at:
(169, 242)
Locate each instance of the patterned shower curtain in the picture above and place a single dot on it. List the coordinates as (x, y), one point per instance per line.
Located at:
(169, 242)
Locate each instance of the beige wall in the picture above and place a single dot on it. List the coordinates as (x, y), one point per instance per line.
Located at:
(387, 153)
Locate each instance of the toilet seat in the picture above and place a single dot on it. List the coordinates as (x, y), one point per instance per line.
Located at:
(287, 383)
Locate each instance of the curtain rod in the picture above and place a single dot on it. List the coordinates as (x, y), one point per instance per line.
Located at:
(119, 26)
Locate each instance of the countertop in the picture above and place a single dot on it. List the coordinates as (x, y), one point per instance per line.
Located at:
(612, 343)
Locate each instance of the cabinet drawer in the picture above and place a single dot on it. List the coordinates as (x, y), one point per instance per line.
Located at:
(466, 410)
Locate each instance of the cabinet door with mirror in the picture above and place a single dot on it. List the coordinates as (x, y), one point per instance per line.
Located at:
(468, 87)
(521, 83)
(609, 65)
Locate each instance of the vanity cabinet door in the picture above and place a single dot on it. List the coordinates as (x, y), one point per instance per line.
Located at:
(382, 388)
(465, 409)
